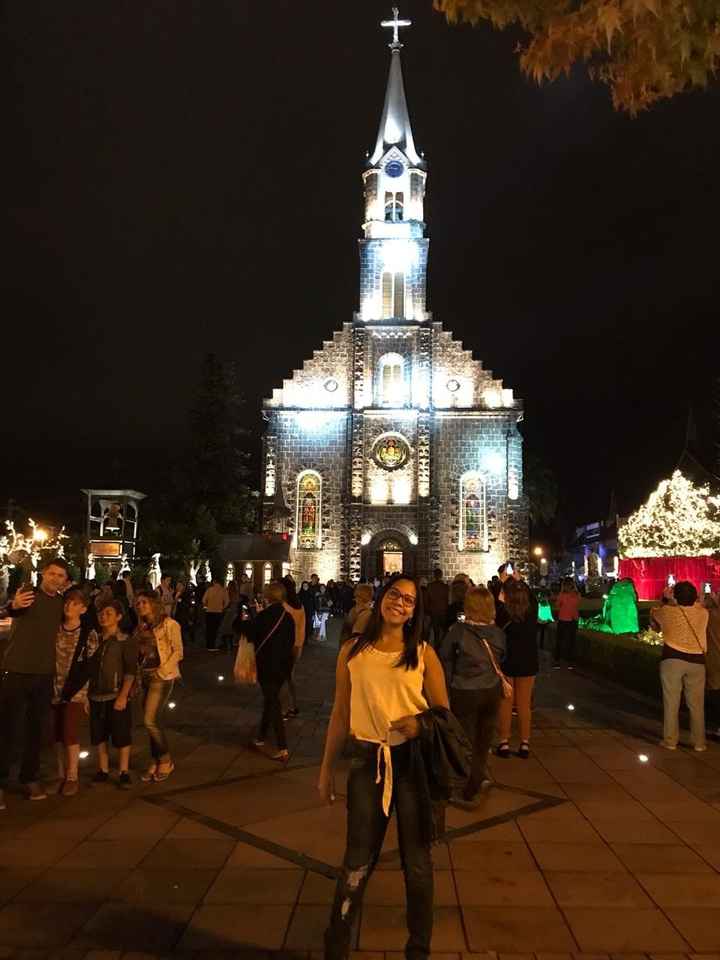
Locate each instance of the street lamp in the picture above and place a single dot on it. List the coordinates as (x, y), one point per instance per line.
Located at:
(39, 535)
(538, 551)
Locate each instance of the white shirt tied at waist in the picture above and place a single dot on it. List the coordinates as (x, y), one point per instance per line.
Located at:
(380, 693)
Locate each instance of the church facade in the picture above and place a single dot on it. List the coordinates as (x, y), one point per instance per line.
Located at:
(392, 448)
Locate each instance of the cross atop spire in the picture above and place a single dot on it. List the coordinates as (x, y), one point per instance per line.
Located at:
(395, 25)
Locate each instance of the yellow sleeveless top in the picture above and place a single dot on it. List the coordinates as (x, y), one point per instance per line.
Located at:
(380, 692)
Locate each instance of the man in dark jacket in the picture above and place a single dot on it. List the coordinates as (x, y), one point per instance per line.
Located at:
(28, 669)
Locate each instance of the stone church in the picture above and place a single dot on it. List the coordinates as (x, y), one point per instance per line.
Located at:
(392, 448)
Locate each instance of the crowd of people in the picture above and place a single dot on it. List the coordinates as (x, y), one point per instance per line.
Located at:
(425, 670)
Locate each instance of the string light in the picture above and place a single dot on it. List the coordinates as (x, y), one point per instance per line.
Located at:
(680, 519)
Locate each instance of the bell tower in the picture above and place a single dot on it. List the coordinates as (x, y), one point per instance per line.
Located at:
(393, 253)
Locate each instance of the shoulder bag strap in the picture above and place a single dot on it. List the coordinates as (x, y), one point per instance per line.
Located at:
(687, 621)
(282, 617)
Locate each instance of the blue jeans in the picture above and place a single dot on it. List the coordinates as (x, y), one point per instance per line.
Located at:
(366, 826)
(156, 695)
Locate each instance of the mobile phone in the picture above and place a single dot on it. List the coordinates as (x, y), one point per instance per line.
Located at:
(707, 588)
(509, 569)
(671, 580)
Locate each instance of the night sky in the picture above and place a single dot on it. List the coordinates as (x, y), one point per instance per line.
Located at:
(184, 177)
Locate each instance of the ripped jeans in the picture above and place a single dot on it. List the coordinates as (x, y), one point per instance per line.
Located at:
(366, 826)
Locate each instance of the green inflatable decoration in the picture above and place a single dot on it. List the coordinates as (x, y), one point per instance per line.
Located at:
(620, 611)
(544, 609)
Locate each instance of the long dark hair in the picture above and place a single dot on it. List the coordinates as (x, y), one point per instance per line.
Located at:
(412, 631)
(291, 593)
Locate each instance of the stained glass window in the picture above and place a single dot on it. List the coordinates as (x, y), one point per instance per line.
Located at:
(308, 511)
(473, 523)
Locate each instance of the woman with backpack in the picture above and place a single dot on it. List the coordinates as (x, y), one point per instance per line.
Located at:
(471, 653)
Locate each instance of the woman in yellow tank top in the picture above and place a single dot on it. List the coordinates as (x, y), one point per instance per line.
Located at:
(385, 678)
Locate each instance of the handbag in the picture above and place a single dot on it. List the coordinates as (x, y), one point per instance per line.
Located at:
(245, 667)
(697, 639)
(505, 685)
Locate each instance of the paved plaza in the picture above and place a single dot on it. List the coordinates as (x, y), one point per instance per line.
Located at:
(583, 850)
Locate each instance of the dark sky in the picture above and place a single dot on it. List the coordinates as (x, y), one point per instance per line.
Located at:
(185, 176)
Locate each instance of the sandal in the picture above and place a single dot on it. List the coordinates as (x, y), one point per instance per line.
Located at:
(524, 750)
(161, 775)
(282, 756)
(149, 774)
(503, 750)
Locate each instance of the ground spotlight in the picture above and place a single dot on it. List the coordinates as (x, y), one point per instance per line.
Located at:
(571, 706)
(172, 705)
(220, 678)
(643, 757)
(84, 754)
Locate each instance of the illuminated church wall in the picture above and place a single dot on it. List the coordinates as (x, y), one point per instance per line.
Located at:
(401, 431)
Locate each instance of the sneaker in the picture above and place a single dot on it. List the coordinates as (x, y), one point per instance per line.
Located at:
(282, 756)
(667, 745)
(102, 776)
(70, 788)
(700, 748)
(35, 791)
(124, 780)
(258, 743)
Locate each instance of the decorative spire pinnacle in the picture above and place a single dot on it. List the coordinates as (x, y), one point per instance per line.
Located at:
(395, 25)
(395, 127)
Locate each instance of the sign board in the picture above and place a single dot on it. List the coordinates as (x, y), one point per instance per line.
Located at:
(105, 548)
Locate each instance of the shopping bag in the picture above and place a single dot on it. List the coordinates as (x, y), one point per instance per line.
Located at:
(245, 669)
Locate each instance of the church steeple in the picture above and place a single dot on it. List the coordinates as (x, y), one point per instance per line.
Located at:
(393, 255)
(395, 129)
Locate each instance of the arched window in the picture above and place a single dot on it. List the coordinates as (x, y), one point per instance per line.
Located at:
(394, 206)
(267, 573)
(249, 572)
(473, 515)
(309, 503)
(393, 294)
(392, 387)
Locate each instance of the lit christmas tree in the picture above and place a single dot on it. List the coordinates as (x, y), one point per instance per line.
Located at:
(679, 519)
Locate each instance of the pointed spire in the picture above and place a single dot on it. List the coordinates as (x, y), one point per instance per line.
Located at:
(395, 129)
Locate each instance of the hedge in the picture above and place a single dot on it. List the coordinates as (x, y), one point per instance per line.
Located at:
(622, 658)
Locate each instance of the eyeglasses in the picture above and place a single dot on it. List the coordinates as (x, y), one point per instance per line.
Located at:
(407, 599)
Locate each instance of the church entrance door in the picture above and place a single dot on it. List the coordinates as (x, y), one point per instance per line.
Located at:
(388, 552)
(392, 561)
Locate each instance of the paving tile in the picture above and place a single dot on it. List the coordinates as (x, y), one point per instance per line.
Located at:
(188, 829)
(682, 890)
(532, 929)
(245, 855)
(558, 831)
(154, 928)
(634, 831)
(385, 928)
(492, 857)
(479, 889)
(623, 931)
(72, 886)
(307, 928)
(501, 833)
(176, 886)
(106, 854)
(576, 889)
(690, 811)
(317, 889)
(253, 885)
(14, 879)
(103, 955)
(42, 924)
(710, 853)
(606, 810)
(699, 926)
(693, 833)
(660, 858)
(190, 853)
(17, 852)
(233, 927)
(141, 819)
(578, 857)
(388, 888)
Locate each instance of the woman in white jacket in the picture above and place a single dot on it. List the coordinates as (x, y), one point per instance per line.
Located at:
(161, 650)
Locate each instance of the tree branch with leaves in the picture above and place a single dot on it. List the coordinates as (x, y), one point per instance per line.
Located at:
(644, 50)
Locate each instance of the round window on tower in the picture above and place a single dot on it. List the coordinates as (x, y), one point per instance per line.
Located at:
(331, 385)
(453, 386)
(394, 169)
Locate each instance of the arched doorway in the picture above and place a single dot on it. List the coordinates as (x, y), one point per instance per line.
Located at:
(389, 551)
